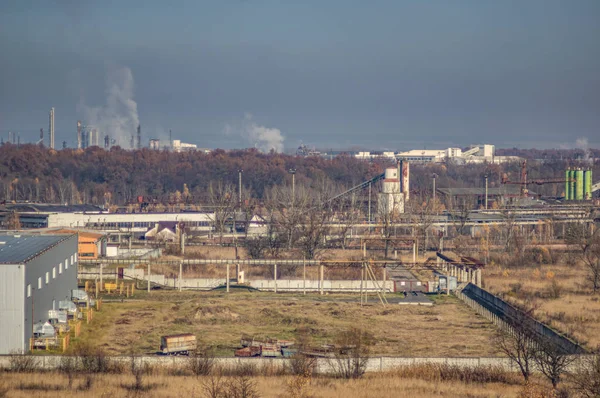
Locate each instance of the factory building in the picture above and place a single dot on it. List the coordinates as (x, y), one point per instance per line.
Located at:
(36, 272)
(94, 218)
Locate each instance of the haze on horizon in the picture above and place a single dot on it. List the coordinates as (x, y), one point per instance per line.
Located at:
(330, 74)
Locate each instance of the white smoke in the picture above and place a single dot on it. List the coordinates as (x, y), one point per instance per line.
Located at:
(583, 144)
(119, 116)
(261, 137)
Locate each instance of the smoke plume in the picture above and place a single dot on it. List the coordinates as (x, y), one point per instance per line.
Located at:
(119, 116)
(583, 144)
(261, 137)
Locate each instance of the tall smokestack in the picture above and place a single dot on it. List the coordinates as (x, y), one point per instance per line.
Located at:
(79, 134)
(51, 127)
(405, 179)
(139, 136)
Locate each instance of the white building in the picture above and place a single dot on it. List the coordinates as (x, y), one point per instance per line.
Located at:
(391, 199)
(179, 146)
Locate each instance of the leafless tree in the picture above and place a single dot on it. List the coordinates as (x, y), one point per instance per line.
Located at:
(301, 216)
(588, 242)
(517, 342)
(586, 377)
(221, 197)
(352, 353)
(551, 360)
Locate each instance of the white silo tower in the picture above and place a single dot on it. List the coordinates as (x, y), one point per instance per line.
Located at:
(391, 199)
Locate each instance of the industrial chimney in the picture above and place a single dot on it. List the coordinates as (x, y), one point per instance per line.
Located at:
(51, 128)
(79, 134)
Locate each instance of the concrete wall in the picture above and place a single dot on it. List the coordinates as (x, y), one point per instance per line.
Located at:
(501, 312)
(324, 365)
(283, 285)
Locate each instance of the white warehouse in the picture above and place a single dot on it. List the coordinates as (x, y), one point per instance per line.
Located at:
(36, 272)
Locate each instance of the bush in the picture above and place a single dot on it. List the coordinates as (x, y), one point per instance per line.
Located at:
(201, 362)
(19, 362)
(445, 372)
(555, 289)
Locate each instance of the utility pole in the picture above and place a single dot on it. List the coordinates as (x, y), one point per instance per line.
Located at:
(240, 171)
(293, 172)
(369, 216)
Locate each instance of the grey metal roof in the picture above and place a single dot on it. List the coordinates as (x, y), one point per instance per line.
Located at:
(503, 190)
(51, 208)
(18, 249)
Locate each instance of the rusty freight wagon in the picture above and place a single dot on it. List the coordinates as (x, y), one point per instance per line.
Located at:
(178, 344)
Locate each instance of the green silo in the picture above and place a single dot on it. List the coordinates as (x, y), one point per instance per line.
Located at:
(579, 184)
(587, 184)
(567, 185)
(571, 184)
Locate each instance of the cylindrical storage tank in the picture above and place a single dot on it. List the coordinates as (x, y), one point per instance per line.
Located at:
(567, 185)
(571, 184)
(587, 184)
(579, 184)
(391, 183)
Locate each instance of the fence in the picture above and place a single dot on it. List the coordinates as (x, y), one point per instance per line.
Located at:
(503, 314)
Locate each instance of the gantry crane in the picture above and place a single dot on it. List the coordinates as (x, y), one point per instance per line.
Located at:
(524, 183)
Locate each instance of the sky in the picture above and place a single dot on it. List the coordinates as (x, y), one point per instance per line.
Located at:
(338, 74)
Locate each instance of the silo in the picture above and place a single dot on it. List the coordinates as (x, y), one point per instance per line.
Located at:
(587, 184)
(579, 184)
(571, 184)
(567, 185)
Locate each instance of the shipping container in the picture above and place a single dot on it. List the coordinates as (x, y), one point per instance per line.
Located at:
(178, 344)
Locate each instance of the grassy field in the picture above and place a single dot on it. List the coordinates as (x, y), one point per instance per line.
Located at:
(557, 292)
(448, 328)
(372, 385)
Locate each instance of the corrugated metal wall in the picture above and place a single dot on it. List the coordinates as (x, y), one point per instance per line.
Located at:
(11, 307)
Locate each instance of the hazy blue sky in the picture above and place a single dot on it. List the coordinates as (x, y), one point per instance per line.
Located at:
(341, 74)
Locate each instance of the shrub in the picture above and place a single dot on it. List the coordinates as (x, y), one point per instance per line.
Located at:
(19, 362)
(201, 362)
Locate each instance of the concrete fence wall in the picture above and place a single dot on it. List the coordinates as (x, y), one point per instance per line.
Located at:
(323, 365)
(283, 285)
(503, 314)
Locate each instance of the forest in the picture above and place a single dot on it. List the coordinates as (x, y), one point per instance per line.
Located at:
(117, 176)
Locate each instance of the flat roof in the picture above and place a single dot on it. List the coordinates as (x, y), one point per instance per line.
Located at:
(503, 190)
(18, 249)
(51, 208)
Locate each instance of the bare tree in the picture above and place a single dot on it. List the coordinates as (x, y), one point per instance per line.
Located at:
(517, 342)
(586, 377)
(551, 360)
(221, 196)
(352, 353)
(301, 216)
(588, 242)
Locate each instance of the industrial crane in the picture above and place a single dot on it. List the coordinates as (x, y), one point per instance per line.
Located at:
(523, 182)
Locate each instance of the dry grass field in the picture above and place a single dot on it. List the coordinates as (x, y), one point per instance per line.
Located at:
(448, 328)
(559, 294)
(122, 385)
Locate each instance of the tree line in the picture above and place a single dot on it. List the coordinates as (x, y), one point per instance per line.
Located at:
(118, 177)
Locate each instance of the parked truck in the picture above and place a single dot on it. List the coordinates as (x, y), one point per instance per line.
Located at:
(178, 344)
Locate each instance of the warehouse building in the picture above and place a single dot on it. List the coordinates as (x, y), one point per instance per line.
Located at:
(36, 272)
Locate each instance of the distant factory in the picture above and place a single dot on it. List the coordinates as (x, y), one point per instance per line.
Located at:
(481, 153)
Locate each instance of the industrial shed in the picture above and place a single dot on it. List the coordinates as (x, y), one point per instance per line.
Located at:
(36, 272)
